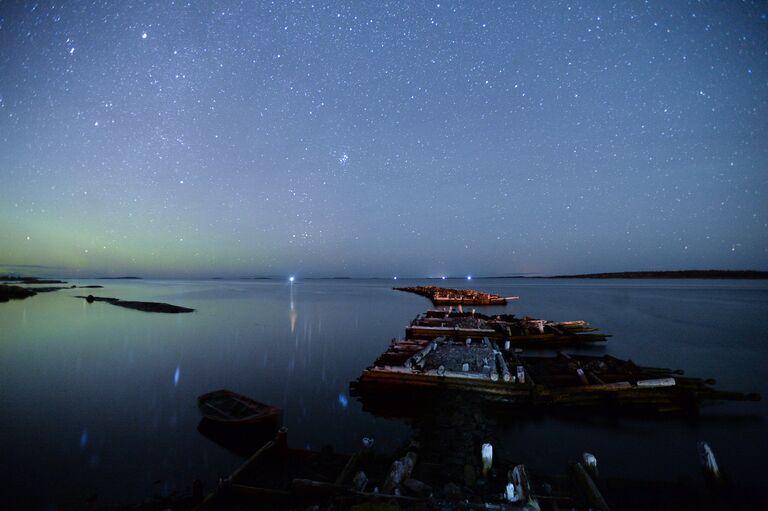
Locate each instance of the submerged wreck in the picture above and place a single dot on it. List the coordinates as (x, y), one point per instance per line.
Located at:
(448, 296)
(502, 328)
(477, 365)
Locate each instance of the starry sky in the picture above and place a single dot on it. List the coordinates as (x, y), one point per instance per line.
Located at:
(377, 138)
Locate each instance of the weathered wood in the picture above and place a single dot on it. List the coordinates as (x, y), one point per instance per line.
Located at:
(244, 489)
(399, 471)
(417, 360)
(503, 368)
(448, 296)
(209, 500)
(352, 465)
(593, 496)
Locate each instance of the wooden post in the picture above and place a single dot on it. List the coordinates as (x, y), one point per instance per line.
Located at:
(501, 363)
(594, 498)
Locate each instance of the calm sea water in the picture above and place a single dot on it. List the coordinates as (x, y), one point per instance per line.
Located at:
(98, 402)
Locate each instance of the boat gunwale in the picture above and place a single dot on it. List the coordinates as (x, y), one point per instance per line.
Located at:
(266, 411)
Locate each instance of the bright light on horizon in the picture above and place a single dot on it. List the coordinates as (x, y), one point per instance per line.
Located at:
(469, 277)
(291, 278)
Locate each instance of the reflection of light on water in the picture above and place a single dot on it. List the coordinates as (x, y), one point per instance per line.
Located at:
(84, 439)
(343, 401)
(176, 376)
(293, 314)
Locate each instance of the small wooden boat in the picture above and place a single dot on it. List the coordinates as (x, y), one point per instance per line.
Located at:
(227, 407)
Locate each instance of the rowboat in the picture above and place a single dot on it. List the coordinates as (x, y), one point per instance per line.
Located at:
(227, 407)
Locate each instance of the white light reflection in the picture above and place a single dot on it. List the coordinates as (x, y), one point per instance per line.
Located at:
(293, 315)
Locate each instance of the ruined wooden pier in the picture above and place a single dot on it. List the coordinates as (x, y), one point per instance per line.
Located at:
(277, 476)
(448, 296)
(504, 328)
(477, 365)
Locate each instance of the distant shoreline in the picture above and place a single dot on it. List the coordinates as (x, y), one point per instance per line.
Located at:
(664, 274)
(674, 274)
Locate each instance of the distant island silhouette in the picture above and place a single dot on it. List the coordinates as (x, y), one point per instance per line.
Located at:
(673, 274)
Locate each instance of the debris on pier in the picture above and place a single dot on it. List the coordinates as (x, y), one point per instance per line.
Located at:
(504, 328)
(477, 365)
(281, 477)
(447, 296)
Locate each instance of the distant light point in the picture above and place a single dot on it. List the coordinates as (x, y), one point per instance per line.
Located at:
(469, 277)
(291, 278)
(395, 278)
(144, 35)
(443, 277)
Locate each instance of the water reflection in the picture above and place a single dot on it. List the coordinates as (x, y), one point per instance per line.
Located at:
(55, 347)
(293, 314)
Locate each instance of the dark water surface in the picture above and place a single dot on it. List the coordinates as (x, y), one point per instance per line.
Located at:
(98, 401)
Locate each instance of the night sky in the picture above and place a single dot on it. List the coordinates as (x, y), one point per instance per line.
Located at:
(382, 138)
